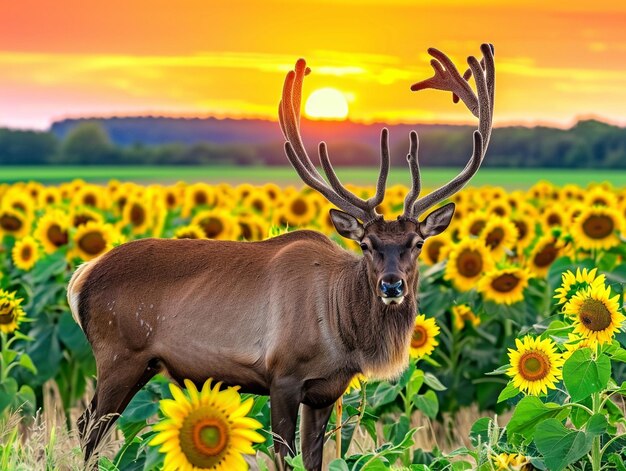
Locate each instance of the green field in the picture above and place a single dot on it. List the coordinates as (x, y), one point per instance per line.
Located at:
(509, 178)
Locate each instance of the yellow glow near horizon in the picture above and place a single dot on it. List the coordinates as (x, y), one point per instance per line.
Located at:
(326, 103)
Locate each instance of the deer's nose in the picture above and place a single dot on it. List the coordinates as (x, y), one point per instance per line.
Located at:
(391, 288)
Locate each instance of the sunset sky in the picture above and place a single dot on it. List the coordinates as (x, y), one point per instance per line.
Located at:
(556, 61)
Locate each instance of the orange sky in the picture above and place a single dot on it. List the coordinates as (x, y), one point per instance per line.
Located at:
(556, 60)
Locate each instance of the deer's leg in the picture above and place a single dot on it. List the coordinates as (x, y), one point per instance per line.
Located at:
(312, 430)
(116, 386)
(284, 403)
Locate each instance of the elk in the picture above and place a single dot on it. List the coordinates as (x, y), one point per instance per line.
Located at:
(295, 316)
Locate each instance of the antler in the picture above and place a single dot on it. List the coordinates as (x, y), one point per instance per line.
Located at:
(336, 193)
(447, 78)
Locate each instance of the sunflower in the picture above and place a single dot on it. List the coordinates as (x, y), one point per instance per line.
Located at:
(21, 201)
(252, 226)
(11, 313)
(575, 342)
(571, 284)
(48, 196)
(197, 195)
(206, 429)
(596, 314)
(25, 253)
(217, 224)
(509, 461)
(570, 193)
(272, 190)
(599, 196)
(546, 250)
(299, 210)
(83, 215)
(553, 217)
(243, 190)
(597, 228)
(535, 365)
(525, 231)
(52, 230)
(423, 340)
(504, 286)
(90, 195)
(474, 224)
(172, 197)
(191, 231)
(466, 263)
(258, 201)
(137, 215)
(13, 222)
(500, 208)
(498, 235)
(436, 248)
(93, 239)
(461, 314)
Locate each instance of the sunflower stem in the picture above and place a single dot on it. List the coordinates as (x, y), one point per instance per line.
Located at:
(339, 418)
(596, 450)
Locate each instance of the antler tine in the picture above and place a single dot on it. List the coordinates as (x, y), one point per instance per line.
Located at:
(484, 77)
(289, 118)
(448, 79)
(455, 184)
(383, 173)
(414, 166)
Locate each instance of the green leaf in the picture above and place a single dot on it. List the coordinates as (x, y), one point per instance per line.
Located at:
(338, 465)
(500, 370)
(383, 394)
(415, 383)
(432, 381)
(396, 431)
(561, 446)
(618, 354)
(26, 399)
(508, 392)
(8, 390)
(530, 412)
(597, 424)
(479, 434)
(583, 375)
(427, 403)
(27, 363)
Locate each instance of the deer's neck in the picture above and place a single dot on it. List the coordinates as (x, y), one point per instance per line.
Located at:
(377, 335)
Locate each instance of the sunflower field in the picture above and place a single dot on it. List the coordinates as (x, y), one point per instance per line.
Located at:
(521, 318)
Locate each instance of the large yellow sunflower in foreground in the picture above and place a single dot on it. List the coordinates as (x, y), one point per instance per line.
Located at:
(596, 314)
(206, 429)
(504, 286)
(467, 261)
(423, 340)
(535, 365)
(573, 283)
(11, 313)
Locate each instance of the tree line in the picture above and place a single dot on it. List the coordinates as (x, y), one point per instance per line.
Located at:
(588, 144)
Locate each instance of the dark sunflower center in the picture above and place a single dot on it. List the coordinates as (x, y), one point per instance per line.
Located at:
(56, 235)
(200, 198)
(137, 214)
(534, 366)
(599, 202)
(212, 227)
(121, 202)
(170, 200)
(469, 263)
(92, 243)
(89, 199)
(499, 210)
(598, 226)
(258, 205)
(554, 220)
(546, 255)
(27, 253)
(10, 223)
(494, 238)
(505, 283)
(477, 227)
(204, 438)
(434, 249)
(81, 219)
(420, 337)
(594, 315)
(299, 207)
(246, 230)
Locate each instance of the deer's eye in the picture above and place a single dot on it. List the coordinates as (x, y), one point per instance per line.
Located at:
(419, 245)
(364, 246)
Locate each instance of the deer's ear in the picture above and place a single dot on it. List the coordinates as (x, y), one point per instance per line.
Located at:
(347, 226)
(437, 221)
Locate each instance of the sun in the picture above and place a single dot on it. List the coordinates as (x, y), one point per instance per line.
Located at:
(326, 103)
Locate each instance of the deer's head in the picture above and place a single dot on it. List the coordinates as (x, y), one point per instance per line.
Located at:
(391, 248)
